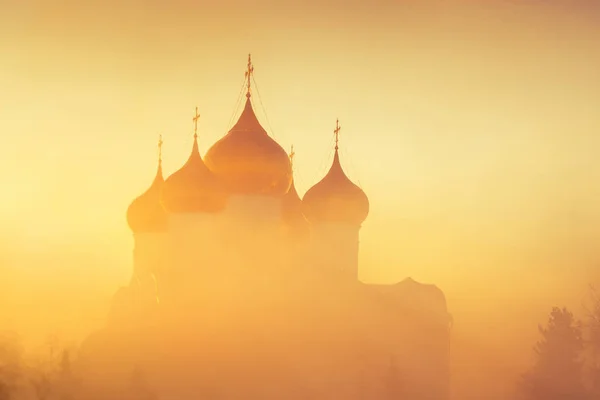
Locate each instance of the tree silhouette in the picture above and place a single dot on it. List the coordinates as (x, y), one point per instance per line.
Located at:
(42, 372)
(557, 373)
(66, 383)
(10, 366)
(52, 376)
(42, 386)
(593, 344)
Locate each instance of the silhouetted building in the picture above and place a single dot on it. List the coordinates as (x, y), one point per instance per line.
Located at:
(243, 290)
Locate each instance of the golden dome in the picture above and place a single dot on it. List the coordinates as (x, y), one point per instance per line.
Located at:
(335, 198)
(193, 188)
(248, 161)
(145, 213)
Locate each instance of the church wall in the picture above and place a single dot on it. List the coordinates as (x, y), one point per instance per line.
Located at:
(148, 253)
(421, 339)
(253, 231)
(254, 210)
(297, 257)
(214, 254)
(194, 248)
(335, 246)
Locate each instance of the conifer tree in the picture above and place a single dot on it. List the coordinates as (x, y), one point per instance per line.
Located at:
(593, 346)
(11, 365)
(557, 373)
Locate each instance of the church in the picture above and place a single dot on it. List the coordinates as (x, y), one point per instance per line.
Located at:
(243, 290)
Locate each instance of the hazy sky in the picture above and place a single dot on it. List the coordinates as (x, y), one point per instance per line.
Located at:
(473, 127)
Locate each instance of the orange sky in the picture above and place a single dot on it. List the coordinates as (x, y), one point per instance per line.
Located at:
(472, 126)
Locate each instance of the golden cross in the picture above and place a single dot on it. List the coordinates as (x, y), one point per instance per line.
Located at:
(248, 74)
(195, 119)
(292, 154)
(160, 143)
(336, 132)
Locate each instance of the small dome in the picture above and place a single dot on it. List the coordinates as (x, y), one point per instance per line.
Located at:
(193, 188)
(335, 198)
(145, 213)
(248, 161)
(291, 212)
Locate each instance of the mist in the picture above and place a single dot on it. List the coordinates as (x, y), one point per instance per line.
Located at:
(471, 128)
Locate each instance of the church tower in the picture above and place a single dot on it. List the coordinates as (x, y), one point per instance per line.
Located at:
(193, 198)
(336, 208)
(296, 227)
(254, 168)
(256, 172)
(149, 223)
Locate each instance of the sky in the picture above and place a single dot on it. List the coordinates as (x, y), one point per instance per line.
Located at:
(472, 126)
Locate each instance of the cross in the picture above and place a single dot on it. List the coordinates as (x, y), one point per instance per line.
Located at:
(160, 143)
(195, 119)
(248, 74)
(292, 154)
(336, 132)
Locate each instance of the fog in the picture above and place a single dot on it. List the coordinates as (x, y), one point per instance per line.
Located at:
(471, 128)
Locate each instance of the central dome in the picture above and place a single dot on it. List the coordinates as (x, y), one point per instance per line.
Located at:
(248, 161)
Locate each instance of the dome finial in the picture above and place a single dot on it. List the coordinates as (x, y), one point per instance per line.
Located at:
(336, 132)
(195, 119)
(160, 144)
(292, 154)
(248, 75)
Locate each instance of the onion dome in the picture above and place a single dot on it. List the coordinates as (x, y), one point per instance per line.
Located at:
(335, 198)
(145, 213)
(291, 209)
(193, 188)
(247, 159)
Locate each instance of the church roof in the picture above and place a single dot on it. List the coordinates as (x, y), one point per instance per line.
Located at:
(145, 213)
(335, 198)
(247, 159)
(193, 188)
(422, 297)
